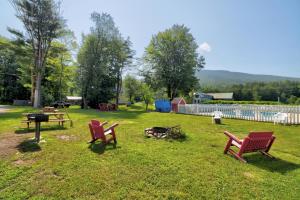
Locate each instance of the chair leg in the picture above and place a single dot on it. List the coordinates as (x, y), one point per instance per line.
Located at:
(266, 154)
(241, 158)
(227, 146)
(237, 155)
(93, 140)
(269, 146)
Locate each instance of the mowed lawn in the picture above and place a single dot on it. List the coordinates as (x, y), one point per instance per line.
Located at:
(65, 166)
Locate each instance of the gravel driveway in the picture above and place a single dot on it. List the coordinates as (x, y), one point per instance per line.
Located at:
(4, 108)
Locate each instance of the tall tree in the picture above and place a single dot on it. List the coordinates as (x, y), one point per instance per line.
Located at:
(10, 85)
(25, 58)
(131, 85)
(102, 57)
(121, 57)
(146, 93)
(43, 23)
(59, 73)
(173, 60)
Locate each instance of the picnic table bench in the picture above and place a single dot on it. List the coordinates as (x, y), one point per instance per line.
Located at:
(53, 117)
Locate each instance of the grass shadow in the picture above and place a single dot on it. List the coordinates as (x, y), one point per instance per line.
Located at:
(222, 124)
(182, 138)
(15, 112)
(100, 147)
(29, 145)
(271, 164)
(32, 130)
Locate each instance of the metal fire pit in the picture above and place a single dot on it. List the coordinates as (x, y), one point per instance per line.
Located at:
(163, 132)
(38, 118)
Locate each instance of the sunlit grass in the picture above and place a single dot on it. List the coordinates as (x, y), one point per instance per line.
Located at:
(145, 168)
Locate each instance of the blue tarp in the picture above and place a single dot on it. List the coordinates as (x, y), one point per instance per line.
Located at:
(162, 105)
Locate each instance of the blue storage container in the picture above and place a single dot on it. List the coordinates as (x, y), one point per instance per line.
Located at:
(162, 105)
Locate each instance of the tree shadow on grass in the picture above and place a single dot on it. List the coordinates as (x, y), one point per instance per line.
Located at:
(113, 115)
(32, 129)
(100, 147)
(182, 138)
(29, 145)
(271, 164)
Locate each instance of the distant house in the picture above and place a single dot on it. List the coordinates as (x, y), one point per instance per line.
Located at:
(221, 96)
(201, 97)
(74, 99)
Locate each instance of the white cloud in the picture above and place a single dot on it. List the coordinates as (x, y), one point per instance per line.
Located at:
(204, 47)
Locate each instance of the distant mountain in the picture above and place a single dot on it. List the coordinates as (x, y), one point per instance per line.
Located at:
(223, 77)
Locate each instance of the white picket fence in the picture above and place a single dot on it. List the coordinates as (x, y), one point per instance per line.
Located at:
(263, 113)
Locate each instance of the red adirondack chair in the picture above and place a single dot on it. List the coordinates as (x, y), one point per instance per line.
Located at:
(98, 132)
(255, 141)
(103, 107)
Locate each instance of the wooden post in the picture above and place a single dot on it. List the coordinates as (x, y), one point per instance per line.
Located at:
(37, 131)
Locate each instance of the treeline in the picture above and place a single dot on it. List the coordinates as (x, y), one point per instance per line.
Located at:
(40, 64)
(167, 69)
(284, 91)
(102, 57)
(17, 70)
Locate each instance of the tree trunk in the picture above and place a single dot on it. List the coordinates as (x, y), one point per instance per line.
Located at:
(84, 97)
(32, 87)
(169, 92)
(37, 92)
(60, 78)
(147, 106)
(118, 89)
(38, 77)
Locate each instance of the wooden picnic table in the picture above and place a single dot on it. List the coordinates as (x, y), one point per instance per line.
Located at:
(56, 114)
(53, 117)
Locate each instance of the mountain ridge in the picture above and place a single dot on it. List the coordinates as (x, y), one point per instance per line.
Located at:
(221, 77)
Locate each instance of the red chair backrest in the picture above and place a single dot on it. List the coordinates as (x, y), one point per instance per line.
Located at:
(98, 131)
(258, 141)
(95, 122)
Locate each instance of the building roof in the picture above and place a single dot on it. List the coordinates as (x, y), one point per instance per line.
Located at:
(73, 98)
(228, 95)
(178, 100)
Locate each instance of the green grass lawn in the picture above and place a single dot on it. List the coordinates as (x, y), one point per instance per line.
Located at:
(64, 166)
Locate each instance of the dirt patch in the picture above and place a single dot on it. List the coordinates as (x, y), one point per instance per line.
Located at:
(9, 143)
(21, 162)
(4, 109)
(67, 137)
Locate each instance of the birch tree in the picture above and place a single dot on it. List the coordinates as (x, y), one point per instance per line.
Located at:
(43, 23)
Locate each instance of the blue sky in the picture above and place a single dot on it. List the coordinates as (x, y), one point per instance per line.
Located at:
(257, 36)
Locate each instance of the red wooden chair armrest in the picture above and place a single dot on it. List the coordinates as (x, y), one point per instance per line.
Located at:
(111, 127)
(230, 135)
(104, 123)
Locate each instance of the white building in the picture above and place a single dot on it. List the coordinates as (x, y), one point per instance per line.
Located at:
(200, 97)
